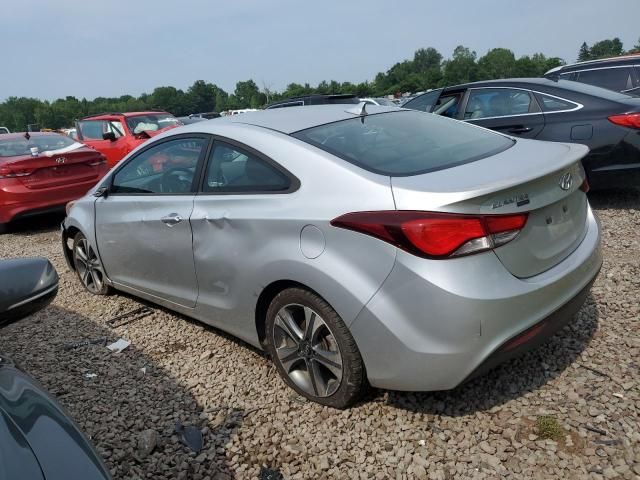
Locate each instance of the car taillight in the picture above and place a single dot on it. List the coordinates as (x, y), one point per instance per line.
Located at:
(630, 120)
(433, 234)
(6, 172)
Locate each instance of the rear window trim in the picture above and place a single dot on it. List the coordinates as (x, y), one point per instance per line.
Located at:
(367, 168)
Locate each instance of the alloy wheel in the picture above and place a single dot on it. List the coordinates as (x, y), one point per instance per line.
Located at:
(88, 266)
(307, 350)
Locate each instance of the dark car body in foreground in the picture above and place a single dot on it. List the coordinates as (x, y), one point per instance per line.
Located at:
(621, 74)
(38, 439)
(562, 111)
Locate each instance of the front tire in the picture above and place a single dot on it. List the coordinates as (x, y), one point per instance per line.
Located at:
(88, 266)
(313, 349)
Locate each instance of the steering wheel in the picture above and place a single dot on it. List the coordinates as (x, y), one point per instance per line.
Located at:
(173, 180)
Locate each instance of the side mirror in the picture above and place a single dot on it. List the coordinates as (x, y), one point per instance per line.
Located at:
(26, 286)
(109, 136)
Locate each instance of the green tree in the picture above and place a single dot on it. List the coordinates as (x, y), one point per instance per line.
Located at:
(606, 48)
(222, 100)
(636, 48)
(585, 52)
(535, 65)
(202, 96)
(497, 63)
(170, 99)
(461, 68)
(248, 94)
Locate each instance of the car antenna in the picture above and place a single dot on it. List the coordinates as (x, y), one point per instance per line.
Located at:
(360, 110)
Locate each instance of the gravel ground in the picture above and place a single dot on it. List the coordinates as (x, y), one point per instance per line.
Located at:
(582, 390)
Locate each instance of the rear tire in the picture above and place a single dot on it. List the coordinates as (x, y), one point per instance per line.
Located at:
(4, 228)
(313, 349)
(88, 266)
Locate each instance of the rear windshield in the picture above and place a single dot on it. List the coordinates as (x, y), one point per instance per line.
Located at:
(405, 143)
(21, 146)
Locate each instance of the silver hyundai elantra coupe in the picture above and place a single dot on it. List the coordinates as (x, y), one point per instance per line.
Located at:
(356, 245)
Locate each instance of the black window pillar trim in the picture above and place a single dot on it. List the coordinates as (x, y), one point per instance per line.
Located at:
(294, 182)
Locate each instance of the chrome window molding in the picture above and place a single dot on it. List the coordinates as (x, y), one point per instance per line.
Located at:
(599, 68)
(577, 107)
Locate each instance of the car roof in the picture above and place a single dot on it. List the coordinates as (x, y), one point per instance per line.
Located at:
(105, 115)
(509, 81)
(293, 119)
(600, 62)
(544, 83)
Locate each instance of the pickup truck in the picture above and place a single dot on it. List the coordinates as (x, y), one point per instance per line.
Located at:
(116, 134)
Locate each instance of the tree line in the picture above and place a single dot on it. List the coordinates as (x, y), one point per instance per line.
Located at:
(427, 69)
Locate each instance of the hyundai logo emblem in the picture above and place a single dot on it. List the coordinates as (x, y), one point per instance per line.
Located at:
(61, 160)
(566, 181)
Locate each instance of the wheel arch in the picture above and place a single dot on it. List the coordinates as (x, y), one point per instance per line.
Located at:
(69, 233)
(266, 297)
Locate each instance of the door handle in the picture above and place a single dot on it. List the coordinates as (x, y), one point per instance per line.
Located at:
(171, 219)
(520, 129)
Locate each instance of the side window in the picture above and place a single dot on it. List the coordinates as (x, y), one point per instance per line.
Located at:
(616, 79)
(447, 105)
(94, 129)
(232, 169)
(91, 129)
(424, 102)
(115, 127)
(497, 102)
(550, 103)
(167, 168)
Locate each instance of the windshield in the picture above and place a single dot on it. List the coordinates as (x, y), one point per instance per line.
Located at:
(151, 122)
(405, 142)
(14, 147)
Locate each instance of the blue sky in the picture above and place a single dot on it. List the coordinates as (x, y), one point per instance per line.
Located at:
(91, 48)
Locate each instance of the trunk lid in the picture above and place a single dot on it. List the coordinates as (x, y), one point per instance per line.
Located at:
(525, 178)
(52, 169)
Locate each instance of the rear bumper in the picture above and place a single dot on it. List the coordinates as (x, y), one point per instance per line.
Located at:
(619, 168)
(18, 201)
(434, 324)
(534, 336)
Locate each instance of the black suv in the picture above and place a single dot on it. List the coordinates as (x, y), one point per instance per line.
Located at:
(621, 74)
(316, 99)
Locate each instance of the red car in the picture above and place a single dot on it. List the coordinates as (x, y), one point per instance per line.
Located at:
(40, 172)
(116, 134)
